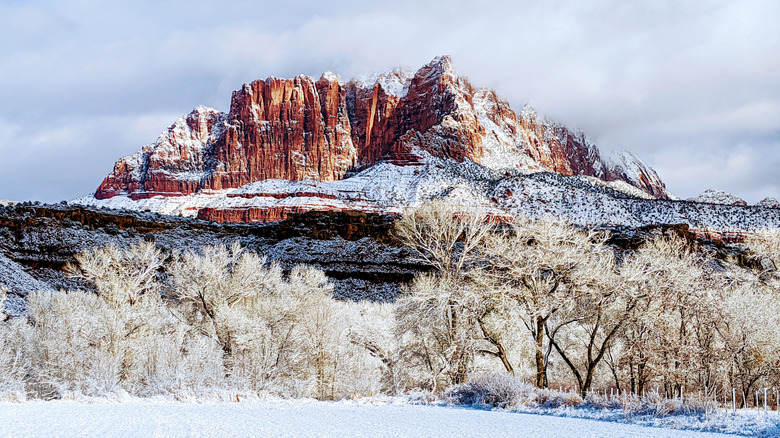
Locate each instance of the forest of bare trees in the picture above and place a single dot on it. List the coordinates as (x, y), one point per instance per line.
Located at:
(536, 301)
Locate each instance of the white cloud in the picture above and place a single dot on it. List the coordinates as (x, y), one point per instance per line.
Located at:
(682, 84)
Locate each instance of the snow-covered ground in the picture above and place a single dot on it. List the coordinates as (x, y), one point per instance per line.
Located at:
(140, 418)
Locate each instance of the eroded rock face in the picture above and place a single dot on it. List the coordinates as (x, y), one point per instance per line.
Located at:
(177, 163)
(291, 129)
(320, 130)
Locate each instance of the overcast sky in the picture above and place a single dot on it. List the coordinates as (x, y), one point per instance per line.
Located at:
(692, 88)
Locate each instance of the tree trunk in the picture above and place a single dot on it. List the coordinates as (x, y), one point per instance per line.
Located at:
(541, 372)
(501, 354)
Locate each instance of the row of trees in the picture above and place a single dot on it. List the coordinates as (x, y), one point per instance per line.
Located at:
(540, 300)
(192, 323)
(665, 316)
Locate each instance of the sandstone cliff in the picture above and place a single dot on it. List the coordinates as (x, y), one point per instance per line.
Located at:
(324, 130)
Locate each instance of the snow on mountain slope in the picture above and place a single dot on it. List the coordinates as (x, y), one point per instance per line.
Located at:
(323, 130)
(389, 188)
(394, 82)
(19, 283)
(393, 140)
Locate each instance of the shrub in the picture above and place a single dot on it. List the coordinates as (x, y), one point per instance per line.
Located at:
(82, 343)
(14, 354)
(506, 391)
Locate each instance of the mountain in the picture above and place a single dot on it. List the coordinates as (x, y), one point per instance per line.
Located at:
(292, 145)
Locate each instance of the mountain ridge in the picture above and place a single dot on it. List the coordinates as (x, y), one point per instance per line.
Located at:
(328, 130)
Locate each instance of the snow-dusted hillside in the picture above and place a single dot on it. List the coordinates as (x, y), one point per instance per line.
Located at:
(388, 188)
(18, 283)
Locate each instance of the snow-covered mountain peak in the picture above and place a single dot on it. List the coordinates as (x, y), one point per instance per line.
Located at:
(325, 130)
(394, 82)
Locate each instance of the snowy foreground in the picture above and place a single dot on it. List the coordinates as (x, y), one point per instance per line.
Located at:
(140, 418)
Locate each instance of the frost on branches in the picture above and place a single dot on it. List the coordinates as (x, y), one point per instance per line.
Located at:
(540, 303)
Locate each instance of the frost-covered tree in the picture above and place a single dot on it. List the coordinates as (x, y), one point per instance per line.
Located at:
(442, 319)
(119, 275)
(438, 323)
(218, 281)
(583, 333)
(668, 334)
(445, 235)
(126, 334)
(14, 353)
(766, 243)
(544, 267)
(277, 332)
(749, 329)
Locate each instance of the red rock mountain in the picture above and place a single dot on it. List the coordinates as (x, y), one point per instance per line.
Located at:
(324, 130)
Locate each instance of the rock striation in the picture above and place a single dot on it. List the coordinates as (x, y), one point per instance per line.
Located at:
(325, 130)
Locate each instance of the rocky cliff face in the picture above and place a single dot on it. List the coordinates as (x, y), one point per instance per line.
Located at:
(323, 130)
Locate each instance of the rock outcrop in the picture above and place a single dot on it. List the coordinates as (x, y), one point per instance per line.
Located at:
(713, 196)
(769, 203)
(324, 130)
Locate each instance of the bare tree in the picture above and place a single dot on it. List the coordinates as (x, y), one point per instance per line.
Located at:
(583, 333)
(749, 326)
(445, 316)
(544, 267)
(665, 334)
(445, 235)
(219, 280)
(121, 276)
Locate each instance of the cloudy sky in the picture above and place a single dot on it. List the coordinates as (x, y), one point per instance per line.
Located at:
(693, 88)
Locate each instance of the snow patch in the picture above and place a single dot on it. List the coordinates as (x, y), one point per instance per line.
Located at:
(18, 282)
(331, 77)
(394, 82)
(502, 149)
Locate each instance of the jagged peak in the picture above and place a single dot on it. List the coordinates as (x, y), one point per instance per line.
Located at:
(621, 156)
(394, 82)
(330, 77)
(529, 113)
(440, 67)
(443, 62)
(204, 109)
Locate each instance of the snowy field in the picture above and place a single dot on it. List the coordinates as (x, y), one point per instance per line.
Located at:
(149, 418)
